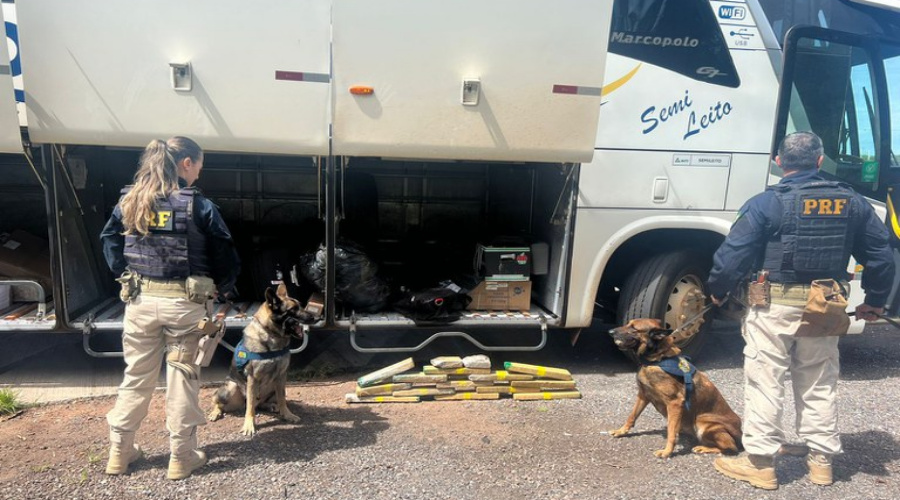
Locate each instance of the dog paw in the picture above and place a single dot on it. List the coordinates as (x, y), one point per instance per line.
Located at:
(214, 415)
(618, 433)
(290, 417)
(662, 453)
(249, 429)
(706, 450)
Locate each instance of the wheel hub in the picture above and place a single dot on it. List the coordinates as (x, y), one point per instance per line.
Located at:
(686, 301)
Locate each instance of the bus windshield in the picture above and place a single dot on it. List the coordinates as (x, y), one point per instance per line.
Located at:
(833, 14)
(837, 89)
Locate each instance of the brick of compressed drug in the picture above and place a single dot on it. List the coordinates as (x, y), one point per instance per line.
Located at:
(457, 385)
(353, 398)
(381, 390)
(419, 378)
(432, 370)
(532, 396)
(385, 373)
(425, 391)
(499, 376)
(504, 389)
(538, 371)
(466, 396)
(546, 385)
(447, 362)
(477, 361)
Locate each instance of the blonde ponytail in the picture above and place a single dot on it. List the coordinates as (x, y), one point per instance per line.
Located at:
(156, 177)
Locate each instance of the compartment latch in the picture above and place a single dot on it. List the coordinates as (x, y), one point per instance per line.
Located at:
(471, 89)
(182, 79)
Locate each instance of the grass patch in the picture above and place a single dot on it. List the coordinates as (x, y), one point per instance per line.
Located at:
(94, 456)
(10, 402)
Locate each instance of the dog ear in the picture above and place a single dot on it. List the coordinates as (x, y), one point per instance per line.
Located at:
(282, 291)
(659, 333)
(272, 297)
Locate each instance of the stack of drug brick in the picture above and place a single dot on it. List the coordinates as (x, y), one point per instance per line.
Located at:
(450, 378)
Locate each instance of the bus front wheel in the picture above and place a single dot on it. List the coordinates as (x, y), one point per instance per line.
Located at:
(670, 287)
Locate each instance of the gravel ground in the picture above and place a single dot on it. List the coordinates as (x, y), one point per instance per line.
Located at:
(464, 450)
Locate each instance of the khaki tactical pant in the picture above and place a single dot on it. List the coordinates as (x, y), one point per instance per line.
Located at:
(771, 351)
(153, 325)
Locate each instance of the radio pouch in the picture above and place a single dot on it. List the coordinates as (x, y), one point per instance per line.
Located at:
(131, 286)
(200, 289)
(759, 294)
(825, 314)
(212, 331)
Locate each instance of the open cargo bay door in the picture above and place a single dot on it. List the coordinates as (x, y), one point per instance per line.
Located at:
(233, 75)
(508, 80)
(10, 138)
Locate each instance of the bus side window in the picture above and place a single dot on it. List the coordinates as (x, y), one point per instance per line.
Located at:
(891, 55)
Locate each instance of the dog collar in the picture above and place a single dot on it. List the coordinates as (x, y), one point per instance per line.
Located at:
(242, 356)
(680, 366)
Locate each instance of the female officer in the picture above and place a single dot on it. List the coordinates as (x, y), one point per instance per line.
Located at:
(170, 245)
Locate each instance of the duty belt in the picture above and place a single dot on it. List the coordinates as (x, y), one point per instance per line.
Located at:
(163, 288)
(789, 294)
(793, 294)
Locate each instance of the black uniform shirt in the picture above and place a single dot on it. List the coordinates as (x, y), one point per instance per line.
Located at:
(760, 218)
(223, 257)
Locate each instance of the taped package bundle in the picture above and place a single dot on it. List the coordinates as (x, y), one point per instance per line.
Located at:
(451, 378)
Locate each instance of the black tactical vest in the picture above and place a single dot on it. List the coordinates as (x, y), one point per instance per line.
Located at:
(815, 237)
(175, 248)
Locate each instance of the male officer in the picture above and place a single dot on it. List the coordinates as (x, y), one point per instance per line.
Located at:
(802, 229)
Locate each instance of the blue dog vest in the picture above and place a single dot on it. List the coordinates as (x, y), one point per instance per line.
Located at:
(681, 366)
(242, 356)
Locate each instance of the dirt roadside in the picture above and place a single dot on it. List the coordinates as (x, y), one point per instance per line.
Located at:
(486, 449)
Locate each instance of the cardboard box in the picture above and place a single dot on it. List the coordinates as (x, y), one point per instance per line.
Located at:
(491, 295)
(503, 263)
(25, 256)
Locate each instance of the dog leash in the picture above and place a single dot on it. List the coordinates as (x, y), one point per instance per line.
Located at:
(892, 322)
(696, 317)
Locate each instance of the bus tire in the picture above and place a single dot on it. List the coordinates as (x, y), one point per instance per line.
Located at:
(670, 287)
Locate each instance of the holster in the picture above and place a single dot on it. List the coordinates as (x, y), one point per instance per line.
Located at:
(200, 289)
(131, 286)
(759, 294)
(825, 314)
(212, 331)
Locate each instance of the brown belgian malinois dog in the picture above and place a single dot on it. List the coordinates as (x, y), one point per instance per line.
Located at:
(703, 414)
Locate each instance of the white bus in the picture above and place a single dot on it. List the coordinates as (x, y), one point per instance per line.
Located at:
(621, 136)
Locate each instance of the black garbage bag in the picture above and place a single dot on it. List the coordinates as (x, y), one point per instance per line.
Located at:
(433, 305)
(358, 284)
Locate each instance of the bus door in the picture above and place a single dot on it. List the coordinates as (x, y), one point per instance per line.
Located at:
(846, 88)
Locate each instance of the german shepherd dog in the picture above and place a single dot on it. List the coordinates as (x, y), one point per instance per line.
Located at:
(259, 367)
(709, 419)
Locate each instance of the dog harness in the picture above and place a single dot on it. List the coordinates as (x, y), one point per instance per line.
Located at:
(242, 356)
(680, 366)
